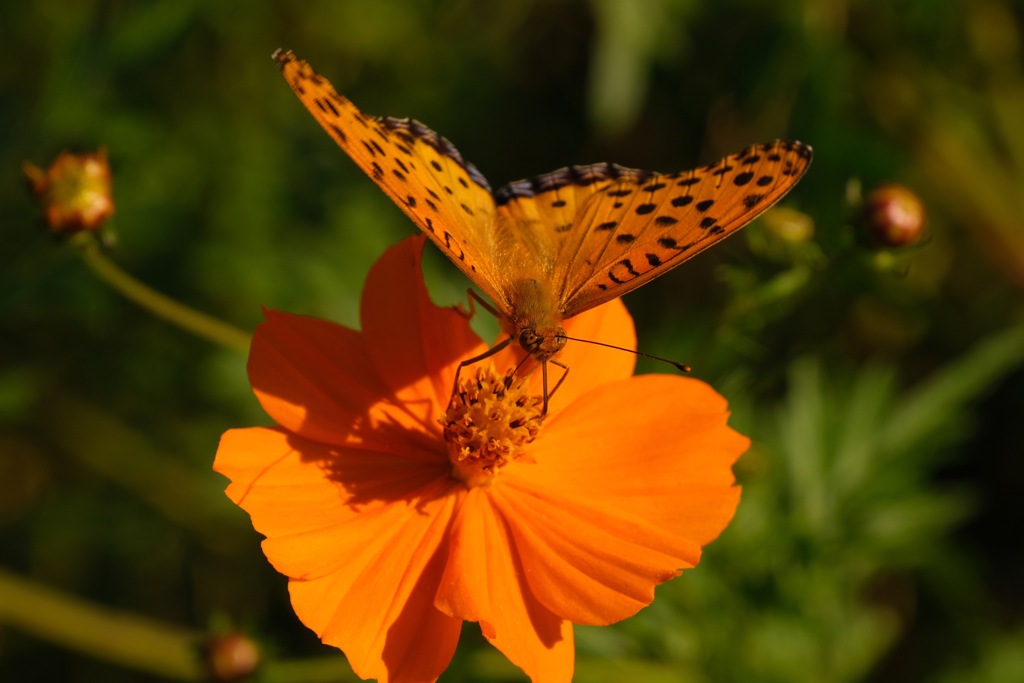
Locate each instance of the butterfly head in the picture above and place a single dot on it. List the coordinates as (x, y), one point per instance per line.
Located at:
(542, 343)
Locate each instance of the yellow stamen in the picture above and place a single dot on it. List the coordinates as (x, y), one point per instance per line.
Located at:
(489, 420)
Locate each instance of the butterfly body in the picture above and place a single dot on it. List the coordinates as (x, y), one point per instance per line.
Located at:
(534, 320)
(546, 248)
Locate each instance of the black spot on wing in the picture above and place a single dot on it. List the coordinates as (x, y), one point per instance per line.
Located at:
(411, 129)
(623, 271)
(453, 246)
(327, 107)
(339, 133)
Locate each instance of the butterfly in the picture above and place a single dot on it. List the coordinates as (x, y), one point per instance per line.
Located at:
(547, 248)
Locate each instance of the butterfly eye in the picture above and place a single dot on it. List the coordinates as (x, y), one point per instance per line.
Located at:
(529, 340)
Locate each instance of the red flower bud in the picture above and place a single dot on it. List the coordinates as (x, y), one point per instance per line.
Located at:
(74, 191)
(231, 657)
(891, 216)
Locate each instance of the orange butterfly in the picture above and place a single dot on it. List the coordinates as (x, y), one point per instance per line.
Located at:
(547, 248)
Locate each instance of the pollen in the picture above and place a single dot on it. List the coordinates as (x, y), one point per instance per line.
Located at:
(490, 418)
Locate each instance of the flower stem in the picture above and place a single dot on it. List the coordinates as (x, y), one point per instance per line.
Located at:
(164, 307)
(131, 641)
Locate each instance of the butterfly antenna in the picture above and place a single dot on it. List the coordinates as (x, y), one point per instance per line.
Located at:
(682, 367)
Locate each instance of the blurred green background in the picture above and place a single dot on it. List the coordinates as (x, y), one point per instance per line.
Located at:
(881, 533)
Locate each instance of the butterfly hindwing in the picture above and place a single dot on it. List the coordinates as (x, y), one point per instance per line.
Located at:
(423, 173)
(632, 231)
(544, 209)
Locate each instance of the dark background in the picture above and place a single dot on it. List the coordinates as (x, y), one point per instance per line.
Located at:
(879, 538)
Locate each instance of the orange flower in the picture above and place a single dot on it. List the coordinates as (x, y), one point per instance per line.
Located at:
(397, 516)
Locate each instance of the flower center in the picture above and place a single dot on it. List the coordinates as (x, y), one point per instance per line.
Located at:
(489, 420)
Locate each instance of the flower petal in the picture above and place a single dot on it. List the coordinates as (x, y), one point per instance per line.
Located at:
(591, 365)
(315, 378)
(591, 565)
(280, 478)
(363, 539)
(414, 345)
(483, 581)
(691, 450)
(605, 515)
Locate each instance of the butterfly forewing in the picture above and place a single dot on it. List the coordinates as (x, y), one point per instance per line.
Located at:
(634, 230)
(421, 171)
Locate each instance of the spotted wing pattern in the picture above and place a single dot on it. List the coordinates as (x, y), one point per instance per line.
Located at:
(423, 173)
(631, 232)
(593, 233)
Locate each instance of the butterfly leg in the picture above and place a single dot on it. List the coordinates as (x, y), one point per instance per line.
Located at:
(476, 359)
(544, 380)
(472, 296)
(565, 373)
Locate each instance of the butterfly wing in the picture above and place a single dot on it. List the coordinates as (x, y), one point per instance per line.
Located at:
(541, 212)
(421, 171)
(631, 231)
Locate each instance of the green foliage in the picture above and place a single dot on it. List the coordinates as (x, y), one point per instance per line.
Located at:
(881, 389)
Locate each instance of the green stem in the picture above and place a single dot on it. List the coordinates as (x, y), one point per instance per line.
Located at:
(156, 303)
(131, 641)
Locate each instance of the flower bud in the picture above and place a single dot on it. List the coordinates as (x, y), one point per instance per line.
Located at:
(231, 657)
(891, 216)
(75, 191)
